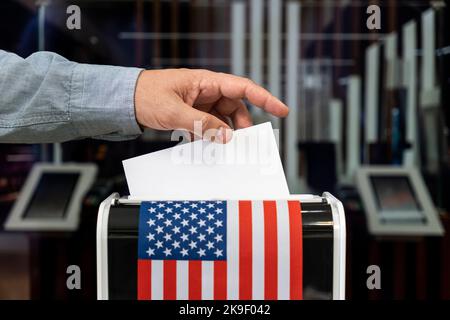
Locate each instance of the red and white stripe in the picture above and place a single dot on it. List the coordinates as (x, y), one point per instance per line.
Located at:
(264, 260)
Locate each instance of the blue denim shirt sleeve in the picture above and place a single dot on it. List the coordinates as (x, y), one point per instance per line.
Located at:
(46, 98)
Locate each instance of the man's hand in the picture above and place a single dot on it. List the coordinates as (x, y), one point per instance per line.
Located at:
(176, 98)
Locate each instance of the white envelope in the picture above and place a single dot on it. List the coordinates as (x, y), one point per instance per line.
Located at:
(248, 167)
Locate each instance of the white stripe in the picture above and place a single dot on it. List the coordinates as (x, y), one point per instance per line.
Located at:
(207, 280)
(292, 60)
(182, 280)
(232, 250)
(157, 279)
(275, 39)
(275, 47)
(283, 250)
(238, 38)
(258, 250)
(256, 41)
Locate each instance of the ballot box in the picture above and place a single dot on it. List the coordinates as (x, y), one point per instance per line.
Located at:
(252, 249)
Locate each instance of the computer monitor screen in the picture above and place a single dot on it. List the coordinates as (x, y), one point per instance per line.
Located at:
(51, 196)
(394, 193)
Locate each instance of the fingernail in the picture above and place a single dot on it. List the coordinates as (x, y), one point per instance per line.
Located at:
(219, 135)
(228, 135)
(223, 135)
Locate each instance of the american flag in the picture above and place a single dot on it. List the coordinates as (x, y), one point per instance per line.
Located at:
(222, 250)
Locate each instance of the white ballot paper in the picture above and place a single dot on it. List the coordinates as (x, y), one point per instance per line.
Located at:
(248, 167)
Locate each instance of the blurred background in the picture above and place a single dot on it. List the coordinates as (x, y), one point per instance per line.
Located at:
(365, 86)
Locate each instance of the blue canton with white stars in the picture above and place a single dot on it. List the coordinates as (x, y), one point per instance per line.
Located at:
(182, 230)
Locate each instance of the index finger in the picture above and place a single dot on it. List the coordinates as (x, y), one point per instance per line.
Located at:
(235, 87)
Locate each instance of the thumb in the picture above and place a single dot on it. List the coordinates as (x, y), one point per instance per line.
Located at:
(203, 125)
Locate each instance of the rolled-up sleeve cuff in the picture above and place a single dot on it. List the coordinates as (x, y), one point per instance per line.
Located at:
(102, 102)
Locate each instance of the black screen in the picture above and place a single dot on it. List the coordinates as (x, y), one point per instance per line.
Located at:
(394, 193)
(52, 196)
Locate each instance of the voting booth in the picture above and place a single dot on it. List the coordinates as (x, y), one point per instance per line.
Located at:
(317, 265)
(51, 197)
(397, 202)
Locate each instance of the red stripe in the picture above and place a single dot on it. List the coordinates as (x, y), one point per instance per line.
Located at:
(195, 280)
(144, 279)
(170, 279)
(270, 251)
(245, 250)
(220, 280)
(296, 250)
